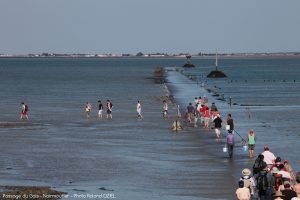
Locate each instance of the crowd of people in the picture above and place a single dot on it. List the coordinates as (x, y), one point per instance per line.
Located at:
(209, 117)
(272, 179)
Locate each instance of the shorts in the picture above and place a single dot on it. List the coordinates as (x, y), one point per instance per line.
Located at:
(24, 113)
(251, 146)
(108, 112)
(100, 112)
(206, 119)
(139, 111)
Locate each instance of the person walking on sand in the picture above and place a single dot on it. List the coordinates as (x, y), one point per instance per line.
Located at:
(109, 107)
(88, 109)
(230, 143)
(100, 109)
(165, 108)
(251, 140)
(202, 111)
(248, 180)
(206, 117)
(24, 110)
(229, 122)
(269, 157)
(139, 110)
(190, 112)
(218, 126)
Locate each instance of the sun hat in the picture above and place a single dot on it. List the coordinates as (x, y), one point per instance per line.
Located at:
(246, 172)
(278, 194)
(286, 161)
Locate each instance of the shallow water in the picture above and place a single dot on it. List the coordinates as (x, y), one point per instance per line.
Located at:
(134, 158)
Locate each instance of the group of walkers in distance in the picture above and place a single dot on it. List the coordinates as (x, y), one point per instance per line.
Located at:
(210, 118)
(87, 109)
(109, 107)
(272, 179)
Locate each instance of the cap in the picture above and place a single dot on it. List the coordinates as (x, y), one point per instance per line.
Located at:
(278, 159)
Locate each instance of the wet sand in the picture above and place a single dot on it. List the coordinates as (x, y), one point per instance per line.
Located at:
(124, 157)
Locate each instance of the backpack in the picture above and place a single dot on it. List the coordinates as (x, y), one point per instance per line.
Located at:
(259, 165)
(26, 108)
(262, 182)
(256, 166)
(247, 182)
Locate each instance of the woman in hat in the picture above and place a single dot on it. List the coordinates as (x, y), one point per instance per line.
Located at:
(278, 195)
(248, 180)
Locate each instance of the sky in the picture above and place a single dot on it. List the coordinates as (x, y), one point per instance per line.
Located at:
(149, 26)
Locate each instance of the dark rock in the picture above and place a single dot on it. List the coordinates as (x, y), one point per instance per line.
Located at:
(216, 74)
(188, 65)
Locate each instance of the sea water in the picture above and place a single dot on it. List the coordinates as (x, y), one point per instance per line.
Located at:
(139, 158)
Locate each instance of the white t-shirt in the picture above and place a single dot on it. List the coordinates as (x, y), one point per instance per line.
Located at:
(284, 174)
(138, 107)
(243, 193)
(269, 157)
(165, 106)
